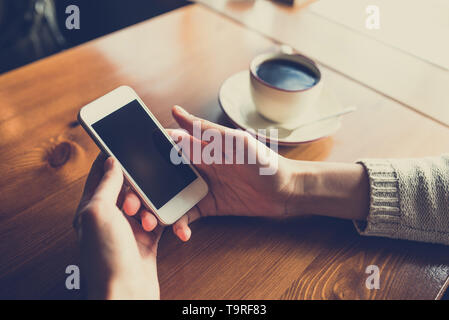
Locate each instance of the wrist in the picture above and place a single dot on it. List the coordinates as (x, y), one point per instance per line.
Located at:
(331, 189)
(127, 287)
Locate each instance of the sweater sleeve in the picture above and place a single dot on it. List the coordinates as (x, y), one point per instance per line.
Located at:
(409, 199)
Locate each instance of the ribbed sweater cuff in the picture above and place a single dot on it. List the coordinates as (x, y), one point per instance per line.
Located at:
(384, 211)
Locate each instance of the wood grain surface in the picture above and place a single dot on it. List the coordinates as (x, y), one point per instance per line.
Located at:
(182, 58)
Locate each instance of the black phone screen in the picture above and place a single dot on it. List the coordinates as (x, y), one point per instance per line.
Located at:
(144, 151)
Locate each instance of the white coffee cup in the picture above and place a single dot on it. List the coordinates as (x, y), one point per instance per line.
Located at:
(281, 105)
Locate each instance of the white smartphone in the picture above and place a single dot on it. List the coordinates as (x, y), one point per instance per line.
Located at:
(123, 127)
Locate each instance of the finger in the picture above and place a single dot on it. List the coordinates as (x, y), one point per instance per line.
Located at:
(131, 204)
(233, 141)
(181, 136)
(92, 181)
(188, 145)
(94, 177)
(181, 227)
(240, 147)
(149, 221)
(177, 134)
(121, 196)
(110, 185)
(187, 122)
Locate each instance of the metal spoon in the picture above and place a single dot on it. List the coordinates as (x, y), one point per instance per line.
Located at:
(285, 132)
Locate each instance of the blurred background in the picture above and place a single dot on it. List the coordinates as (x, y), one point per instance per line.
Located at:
(33, 29)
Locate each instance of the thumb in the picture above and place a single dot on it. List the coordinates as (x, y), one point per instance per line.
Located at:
(111, 184)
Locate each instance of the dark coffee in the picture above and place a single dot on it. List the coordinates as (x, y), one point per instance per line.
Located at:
(286, 74)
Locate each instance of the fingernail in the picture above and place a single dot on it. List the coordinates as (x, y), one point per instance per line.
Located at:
(109, 163)
(181, 109)
(187, 234)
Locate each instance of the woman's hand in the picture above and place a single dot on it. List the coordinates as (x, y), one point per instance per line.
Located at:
(118, 255)
(235, 189)
(291, 188)
(239, 189)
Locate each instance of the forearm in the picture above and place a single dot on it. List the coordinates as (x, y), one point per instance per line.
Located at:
(404, 199)
(338, 190)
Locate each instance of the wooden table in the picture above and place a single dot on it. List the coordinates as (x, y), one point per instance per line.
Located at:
(400, 73)
(182, 58)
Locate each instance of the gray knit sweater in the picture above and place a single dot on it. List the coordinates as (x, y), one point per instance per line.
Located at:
(409, 199)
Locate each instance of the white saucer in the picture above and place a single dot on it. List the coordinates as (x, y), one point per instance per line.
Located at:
(236, 102)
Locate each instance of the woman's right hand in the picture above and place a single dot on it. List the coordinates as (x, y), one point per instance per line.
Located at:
(270, 186)
(236, 189)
